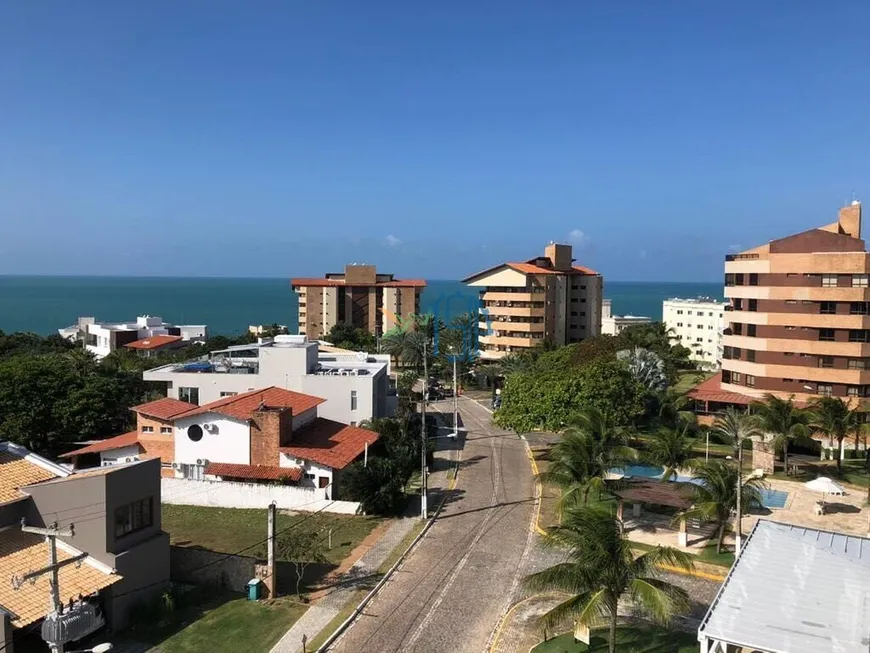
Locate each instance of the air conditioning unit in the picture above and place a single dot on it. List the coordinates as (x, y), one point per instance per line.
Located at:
(176, 466)
(202, 462)
(211, 428)
(130, 460)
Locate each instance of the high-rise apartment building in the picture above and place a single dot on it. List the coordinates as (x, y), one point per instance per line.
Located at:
(697, 325)
(359, 296)
(544, 298)
(798, 323)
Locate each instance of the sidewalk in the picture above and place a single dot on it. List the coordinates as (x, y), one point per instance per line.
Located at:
(363, 574)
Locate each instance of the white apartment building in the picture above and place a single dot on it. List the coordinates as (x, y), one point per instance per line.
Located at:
(613, 325)
(355, 386)
(697, 324)
(102, 338)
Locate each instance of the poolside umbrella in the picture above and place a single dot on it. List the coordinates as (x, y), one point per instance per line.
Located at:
(824, 485)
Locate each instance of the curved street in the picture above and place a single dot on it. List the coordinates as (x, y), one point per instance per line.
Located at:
(450, 594)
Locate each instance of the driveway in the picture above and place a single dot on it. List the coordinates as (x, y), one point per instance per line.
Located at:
(451, 592)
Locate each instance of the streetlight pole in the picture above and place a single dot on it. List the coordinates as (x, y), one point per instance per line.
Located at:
(739, 535)
(424, 512)
(455, 402)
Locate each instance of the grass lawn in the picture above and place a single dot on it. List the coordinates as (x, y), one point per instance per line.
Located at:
(630, 639)
(237, 625)
(229, 530)
(854, 472)
(689, 379)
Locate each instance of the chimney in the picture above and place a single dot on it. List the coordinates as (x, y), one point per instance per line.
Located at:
(270, 429)
(850, 219)
(560, 256)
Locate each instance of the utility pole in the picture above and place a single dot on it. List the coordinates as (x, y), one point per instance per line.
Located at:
(271, 583)
(455, 401)
(51, 534)
(424, 512)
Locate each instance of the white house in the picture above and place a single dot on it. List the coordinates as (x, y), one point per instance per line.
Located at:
(355, 386)
(270, 434)
(102, 338)
(613, 325)
(697, 325)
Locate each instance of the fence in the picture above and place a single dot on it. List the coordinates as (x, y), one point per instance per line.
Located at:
(227, 494)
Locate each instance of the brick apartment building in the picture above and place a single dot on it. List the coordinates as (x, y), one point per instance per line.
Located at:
(359, 296)
(798, 318)
(544, 298)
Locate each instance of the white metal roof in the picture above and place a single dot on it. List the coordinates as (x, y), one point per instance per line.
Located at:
(795, 590)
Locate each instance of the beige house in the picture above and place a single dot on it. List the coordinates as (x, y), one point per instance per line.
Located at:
(798, 320)
(359, 296)
(544, 298)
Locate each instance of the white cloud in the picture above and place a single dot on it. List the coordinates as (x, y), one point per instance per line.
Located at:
(577, 237)
(392, 241)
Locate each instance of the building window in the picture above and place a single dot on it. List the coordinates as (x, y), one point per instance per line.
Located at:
(828, 308)
(166, 430)
(750, 380)
(736, 377)
(194, 432)
(726, 376)
(133, 517)
(688, 312)
(147, 429)
(750, 355)
(826, 334)
(829, 281)
(309, 477)
(679, 324)
(826, 390)
(736, 353)
(753, 305)
(228, 394)
(737, 329)
(791, 301)
(738, 304)
(858, 308)
(699, 340)
(738, 279)
(826, 361)
(190, 395)
(573, 313)
(353, 400)
(700, 326)
(857, 364)
(859, 280)
(750, 330)
(857, 335)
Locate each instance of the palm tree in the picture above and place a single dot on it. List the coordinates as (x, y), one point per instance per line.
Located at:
(716, 495)
(783, 420)
(671, 449)
(579, 462)
(833, 416)
(602, 569)
(737, 427)
(647, 368)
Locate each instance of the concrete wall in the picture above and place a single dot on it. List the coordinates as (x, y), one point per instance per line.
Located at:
(145, 572)
(227, 494)
(229, 443)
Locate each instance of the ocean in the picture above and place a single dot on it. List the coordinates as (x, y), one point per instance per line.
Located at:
(228, 306)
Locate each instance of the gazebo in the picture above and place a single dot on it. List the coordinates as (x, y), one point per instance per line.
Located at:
(645, 490)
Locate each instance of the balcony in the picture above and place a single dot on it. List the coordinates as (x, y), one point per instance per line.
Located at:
(514, 297)
(513, 310)
(508, 341)
(525, 327)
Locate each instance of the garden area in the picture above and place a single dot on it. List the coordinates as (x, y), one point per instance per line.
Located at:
(629, 639)
(243, 531)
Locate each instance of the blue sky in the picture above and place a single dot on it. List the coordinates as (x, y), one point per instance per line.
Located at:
(433, 139)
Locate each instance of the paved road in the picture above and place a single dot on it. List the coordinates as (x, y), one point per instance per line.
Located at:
(451, 592)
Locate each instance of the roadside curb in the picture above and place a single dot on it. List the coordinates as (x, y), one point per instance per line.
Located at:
(506, 618)
(539, 488)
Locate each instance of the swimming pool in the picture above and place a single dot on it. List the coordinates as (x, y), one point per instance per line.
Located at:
(773, 498)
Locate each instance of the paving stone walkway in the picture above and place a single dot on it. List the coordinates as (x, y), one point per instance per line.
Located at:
(362, 575)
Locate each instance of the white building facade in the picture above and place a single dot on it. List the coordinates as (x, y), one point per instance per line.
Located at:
(102, 338)
(613, 325)
(355, 386)
(697, 324)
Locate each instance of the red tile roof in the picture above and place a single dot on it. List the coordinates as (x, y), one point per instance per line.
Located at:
(254, 472)
(301, 282)
(711, 390)
(329, 443)
(244, 405)
(530, 268)
(584, 270)
(165, 408)
(154, 342)
(125, 440)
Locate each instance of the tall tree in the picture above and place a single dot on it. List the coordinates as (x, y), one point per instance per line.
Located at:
(834, 417)
(782, 419)
(716, 495)
(671, 449)
(602, 569)
(588, 449)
